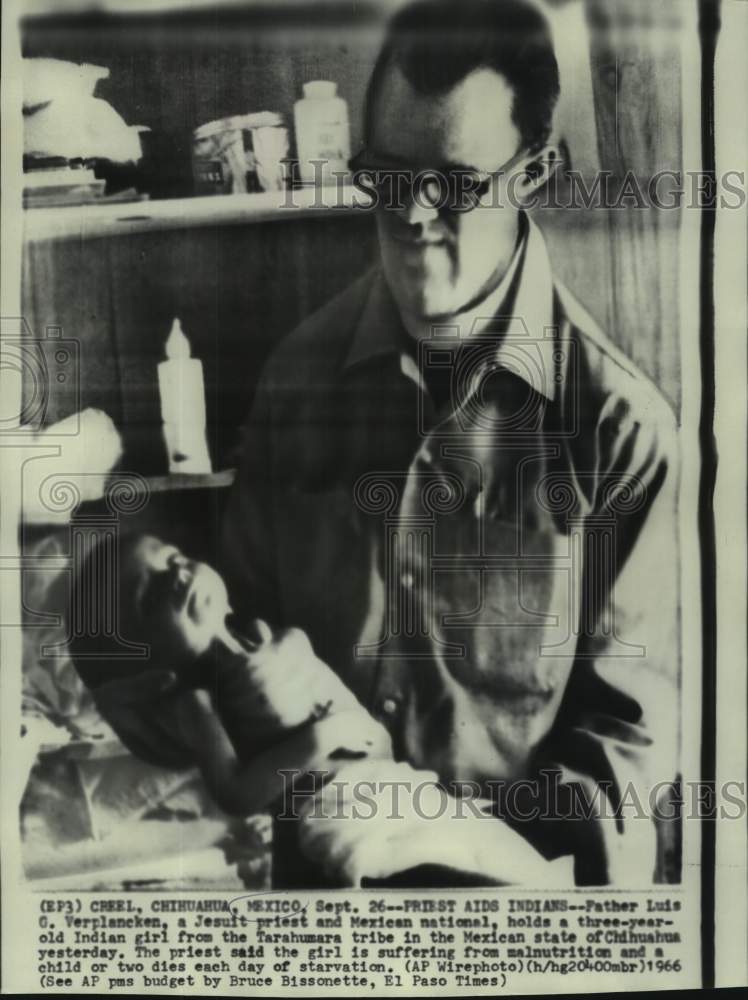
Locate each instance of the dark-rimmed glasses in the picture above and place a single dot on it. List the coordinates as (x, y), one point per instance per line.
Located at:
(396, 185)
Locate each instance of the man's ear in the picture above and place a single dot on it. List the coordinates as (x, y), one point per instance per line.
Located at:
(537, 170)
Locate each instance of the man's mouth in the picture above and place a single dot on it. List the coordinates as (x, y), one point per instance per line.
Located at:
(421, 245)
(522, 699)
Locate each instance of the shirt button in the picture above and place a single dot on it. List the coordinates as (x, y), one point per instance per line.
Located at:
(389, 706)
(407, 580)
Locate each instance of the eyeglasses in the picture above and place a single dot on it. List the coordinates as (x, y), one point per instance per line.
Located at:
(454, 189)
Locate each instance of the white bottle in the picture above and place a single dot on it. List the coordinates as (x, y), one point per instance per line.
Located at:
(182, 391)
(322, 133)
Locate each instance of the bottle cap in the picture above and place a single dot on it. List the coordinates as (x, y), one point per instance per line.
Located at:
(320, 89)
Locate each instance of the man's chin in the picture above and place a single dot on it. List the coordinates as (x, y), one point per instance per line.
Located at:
(429, 308)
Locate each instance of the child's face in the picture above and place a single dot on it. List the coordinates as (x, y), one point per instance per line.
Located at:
(179, 604)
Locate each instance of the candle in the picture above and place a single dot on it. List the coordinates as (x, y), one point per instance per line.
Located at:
(182, 390)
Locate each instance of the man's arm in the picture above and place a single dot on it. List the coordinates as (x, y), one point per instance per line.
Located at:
(380, 819)
(615, 738)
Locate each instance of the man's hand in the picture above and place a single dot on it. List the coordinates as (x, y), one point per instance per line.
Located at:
(347, 826)
(377, 819)
(346, 735)
(241, 787)
(324, 745)
(143, 715)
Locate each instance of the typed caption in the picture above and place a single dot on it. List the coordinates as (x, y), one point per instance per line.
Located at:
(382, 944)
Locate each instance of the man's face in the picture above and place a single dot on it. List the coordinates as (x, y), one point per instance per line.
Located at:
(437, 261)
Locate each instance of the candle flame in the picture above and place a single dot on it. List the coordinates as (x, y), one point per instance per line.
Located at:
(177, 345)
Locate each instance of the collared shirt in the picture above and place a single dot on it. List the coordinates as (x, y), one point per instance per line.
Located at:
(480, 571)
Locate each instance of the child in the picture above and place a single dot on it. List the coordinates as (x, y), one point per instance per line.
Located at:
(249, 708)
(244, 713)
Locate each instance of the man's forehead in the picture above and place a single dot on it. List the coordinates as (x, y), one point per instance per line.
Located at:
(470, 124)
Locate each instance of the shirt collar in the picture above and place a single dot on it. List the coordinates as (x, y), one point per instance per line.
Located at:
(527, 345)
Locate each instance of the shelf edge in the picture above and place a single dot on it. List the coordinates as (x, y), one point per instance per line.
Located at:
(91, 221)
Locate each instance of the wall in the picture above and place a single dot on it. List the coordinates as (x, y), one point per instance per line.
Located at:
(237, 290)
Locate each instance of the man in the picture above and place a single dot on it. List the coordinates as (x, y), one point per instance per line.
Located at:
(456, 486)
(464, 495)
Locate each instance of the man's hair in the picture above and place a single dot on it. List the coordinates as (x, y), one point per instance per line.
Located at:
(437, 43)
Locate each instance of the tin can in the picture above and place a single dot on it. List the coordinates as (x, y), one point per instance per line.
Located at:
(239, 154)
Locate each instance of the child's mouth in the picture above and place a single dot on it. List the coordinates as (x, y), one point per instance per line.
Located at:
(182, 586)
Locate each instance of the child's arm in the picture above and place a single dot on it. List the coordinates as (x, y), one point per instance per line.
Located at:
(244, 787)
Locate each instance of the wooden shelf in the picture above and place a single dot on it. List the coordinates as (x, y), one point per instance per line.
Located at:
(44, 8)
(134, 8)
(183, 481)
(42, 517)
(117, 219)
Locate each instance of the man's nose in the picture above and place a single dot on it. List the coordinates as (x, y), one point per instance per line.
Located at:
(419, 211)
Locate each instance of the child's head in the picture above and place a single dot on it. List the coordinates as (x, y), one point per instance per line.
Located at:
(160, 597)
(173, 603)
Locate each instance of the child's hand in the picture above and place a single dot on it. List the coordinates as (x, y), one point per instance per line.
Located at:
(290, 681)
(347, 735)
